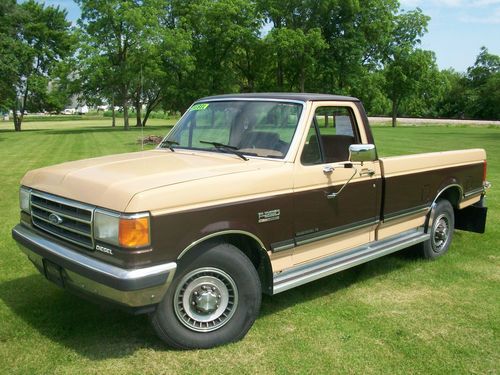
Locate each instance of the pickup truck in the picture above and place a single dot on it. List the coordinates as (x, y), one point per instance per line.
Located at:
(247, 194)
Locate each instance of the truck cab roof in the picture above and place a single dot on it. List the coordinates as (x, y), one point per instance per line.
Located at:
(303, 97)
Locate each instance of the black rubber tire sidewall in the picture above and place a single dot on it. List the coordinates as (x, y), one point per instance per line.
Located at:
(442, 207)
(232, 261)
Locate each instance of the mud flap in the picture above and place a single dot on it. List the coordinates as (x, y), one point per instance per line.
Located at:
(472, 218)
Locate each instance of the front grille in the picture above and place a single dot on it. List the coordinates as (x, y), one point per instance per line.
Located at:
(63, 218)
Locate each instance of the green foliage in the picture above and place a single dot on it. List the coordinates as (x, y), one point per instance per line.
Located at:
(370, 89)
(409, 72)
(8, 59)
(475, 94)
(34, 39)
(132, 53)
(299, 53)
(223, 34)
(155, 55)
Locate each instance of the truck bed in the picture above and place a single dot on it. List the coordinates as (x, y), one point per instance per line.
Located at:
(411, 182)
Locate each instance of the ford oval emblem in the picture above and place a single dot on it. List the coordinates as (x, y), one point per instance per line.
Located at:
(55, 219)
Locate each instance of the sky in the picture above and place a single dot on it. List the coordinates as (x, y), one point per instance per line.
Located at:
(458, 29)
(456, 32)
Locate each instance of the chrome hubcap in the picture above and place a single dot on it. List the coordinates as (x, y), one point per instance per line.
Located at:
(441, 232)
(205, 299)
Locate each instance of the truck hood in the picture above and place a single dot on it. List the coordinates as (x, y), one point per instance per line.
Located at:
(112, 181)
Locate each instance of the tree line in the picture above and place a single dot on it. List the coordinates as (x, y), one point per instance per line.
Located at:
(162, 54)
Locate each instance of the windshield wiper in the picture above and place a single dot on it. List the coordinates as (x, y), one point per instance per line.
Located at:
(222, 146)
(169, 144)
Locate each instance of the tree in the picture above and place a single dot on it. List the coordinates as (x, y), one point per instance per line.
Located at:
(112, 32)
(8, 58)
(452, 102)
(222, 33)
(355, 34)
(485, 66)
(299, 52)
(162, 63)
(490, 97)
(407, 69)
(483, 81)
(407, 77)
(475, 94)
(132, 52)
(370, 89)
(40, 37)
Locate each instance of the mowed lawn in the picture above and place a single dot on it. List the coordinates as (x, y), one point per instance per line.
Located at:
(398, 314)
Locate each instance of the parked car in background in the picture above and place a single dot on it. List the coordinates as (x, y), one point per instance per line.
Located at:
(68, 111)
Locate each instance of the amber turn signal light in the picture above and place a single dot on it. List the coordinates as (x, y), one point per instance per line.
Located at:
(134, 232)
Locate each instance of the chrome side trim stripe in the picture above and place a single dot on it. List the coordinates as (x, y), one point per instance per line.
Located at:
(407, 212)
(317, 236)
(303, 274)
(474, 192)
(282, 246)
(221, 233)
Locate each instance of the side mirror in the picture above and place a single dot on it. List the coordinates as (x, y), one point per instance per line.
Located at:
(361, 153)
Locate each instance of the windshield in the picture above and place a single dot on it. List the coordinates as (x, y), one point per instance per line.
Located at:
(254, 128)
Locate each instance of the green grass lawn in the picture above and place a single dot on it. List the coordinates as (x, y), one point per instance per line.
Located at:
(398, 314)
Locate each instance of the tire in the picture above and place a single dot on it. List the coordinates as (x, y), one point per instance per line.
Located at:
(213, 300)
(442, 224)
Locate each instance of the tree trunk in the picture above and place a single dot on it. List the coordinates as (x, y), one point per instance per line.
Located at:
(17, 121)
(280, 79)
(302, 80)
(126, 124)
(146, 115)
(138, 122)
(395, 106)
(113, 121)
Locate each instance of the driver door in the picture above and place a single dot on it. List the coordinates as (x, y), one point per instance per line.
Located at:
(336, 203)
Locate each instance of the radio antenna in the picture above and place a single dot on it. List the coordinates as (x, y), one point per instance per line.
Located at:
(140, 104)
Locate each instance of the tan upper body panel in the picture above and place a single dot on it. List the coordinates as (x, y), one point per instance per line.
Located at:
(154, 180)
(400, 165)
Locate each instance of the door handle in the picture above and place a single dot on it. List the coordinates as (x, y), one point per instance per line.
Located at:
(332, 195)
(367, 172)
(327, 169)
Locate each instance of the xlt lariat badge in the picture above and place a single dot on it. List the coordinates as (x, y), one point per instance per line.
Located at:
(269, 216)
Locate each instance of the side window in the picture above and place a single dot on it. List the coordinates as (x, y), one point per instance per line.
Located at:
(332, 132)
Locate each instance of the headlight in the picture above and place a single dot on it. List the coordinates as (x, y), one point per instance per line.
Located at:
(106, 226)
(24, 199)
(122, 230)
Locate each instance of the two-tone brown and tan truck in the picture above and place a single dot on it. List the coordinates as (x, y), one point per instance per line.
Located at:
(247, 194)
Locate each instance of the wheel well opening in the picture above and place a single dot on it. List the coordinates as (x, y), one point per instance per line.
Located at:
(452, 195)
(258, 256)
(252, 249)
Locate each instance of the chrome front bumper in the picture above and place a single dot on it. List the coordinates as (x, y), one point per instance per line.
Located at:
(128, 287)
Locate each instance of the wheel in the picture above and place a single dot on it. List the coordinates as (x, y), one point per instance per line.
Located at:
(214, 299)
(442, 223)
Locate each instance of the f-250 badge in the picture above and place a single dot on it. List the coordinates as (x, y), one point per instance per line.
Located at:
(269, 216)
